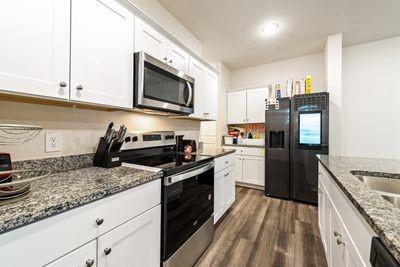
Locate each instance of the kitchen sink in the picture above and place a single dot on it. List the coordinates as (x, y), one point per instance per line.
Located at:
(388, 188)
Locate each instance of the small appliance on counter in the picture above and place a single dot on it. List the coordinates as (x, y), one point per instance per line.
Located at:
(107, 151)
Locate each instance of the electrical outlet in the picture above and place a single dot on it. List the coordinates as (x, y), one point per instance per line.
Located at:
(53, 142)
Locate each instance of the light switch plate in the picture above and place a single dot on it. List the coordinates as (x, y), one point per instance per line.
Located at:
(53, 141)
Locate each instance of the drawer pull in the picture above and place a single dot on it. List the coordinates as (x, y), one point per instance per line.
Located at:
(226, 174)
(340, 242)
(335, 233)
(89, 262)
(107, 251)
(99, 221)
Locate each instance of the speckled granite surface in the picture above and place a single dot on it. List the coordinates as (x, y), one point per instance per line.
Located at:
(68, 189)
(242, 145)
(381, 215)
(216, 152)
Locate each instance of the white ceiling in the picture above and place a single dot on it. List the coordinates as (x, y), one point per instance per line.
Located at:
(230, 29)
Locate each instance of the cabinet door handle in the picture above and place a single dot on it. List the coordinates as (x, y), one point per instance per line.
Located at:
(107, 251)
(226, 162)
(89, 262)
(226, 174)
(165, 58)
(170, 61)
(247, 119)
(335, 233)
(79, 88)
(63, 84)
(340, 242)
(99, 221)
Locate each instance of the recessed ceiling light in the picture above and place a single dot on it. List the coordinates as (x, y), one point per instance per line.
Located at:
(270, 28)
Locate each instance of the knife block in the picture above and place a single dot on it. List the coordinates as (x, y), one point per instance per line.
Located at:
(105, 157)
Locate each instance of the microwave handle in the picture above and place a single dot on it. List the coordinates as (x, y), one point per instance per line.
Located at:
(186, 175)
(190, 93)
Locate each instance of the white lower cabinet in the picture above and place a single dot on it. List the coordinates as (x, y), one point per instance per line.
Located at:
(84, 256)
(128, 223)
(345, 234)
(224, 185)
(135, 243)
(249, 165)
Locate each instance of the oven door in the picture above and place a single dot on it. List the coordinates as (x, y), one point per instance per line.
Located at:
(159, 86)
(188, 202)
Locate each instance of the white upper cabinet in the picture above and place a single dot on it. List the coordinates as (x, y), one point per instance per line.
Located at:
(211, 97)
(236, 107)
(34, 47)
(205, 91)
(150, 41)
(246, 106)
(256, 105)
(102, 41)
(178, 58)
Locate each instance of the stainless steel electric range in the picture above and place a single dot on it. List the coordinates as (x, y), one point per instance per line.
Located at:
(187, 194)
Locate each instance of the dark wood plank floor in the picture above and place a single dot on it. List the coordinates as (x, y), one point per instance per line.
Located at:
(263, 231)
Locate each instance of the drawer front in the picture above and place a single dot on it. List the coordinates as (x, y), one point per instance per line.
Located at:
(238, 150)
(224, 162)
(254, 151)
(72, 229)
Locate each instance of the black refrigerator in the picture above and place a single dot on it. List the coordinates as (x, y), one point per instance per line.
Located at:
(296, 130)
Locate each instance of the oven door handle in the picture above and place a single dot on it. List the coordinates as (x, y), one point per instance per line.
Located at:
(189, 174)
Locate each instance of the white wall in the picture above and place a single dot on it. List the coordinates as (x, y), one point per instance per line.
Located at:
(280, 72)
(80, 128)
(333, 84)
(162, 16)
(371, 97)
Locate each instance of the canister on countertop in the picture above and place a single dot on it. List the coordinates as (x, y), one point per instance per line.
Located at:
(308, 84)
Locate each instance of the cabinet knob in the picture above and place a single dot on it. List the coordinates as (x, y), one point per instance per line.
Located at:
(247, 119)
(79, 88)
(89, 262)
(99, 221)
(170, 61)
(340, 242)
(63, 84)
(165, 58)
(107, 251)
(335, 233)
(226, 162)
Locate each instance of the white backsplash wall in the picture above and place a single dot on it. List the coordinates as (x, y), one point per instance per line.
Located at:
(80, 128)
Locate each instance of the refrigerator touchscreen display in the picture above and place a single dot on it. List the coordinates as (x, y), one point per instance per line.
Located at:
(310, 129)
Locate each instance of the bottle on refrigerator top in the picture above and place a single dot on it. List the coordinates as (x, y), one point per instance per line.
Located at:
(278, 91)
(302, 86)
(289, 88)
(308, 84)
(271, 93)
(297, 88)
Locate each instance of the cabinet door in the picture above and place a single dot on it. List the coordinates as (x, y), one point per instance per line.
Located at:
(236, 112)
(211, 96)
(198, 72)
(219, 202)
(102, 53)
(229, 188)
(135, 243)
(256, 105)
(321, 215)
(34, 47)
(150, 41)
(178, 58)
(84, 256)
(253, 170)
(238, 168)
(337, 252)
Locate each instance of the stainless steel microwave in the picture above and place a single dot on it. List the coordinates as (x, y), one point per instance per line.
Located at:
(158, 86)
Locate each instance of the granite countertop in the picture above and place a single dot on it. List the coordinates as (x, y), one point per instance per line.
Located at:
(381, 215)
(68, 189)
(245, 145)
(216, 152)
